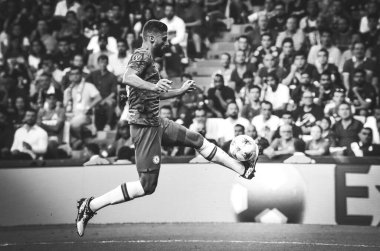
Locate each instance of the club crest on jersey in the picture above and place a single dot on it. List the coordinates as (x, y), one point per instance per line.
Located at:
(137, 57)
(156, 159)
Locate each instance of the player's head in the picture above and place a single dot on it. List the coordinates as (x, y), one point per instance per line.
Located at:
(30, 117)
(155, 33)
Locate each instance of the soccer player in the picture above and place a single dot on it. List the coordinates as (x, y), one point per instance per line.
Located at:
(148, 130)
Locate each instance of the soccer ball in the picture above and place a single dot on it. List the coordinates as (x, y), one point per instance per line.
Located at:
(243, 148)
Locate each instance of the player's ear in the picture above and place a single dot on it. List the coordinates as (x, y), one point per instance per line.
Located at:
(151, 39)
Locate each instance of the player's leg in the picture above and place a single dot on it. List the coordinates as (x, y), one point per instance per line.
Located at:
(147, 142)
(175, 134)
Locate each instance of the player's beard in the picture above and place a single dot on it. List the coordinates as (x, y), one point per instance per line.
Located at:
(159, 51)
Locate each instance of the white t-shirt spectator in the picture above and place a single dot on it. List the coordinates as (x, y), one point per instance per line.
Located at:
(278, 98)
(176, 30)
(35, 136)
(82, 96)
(214, 128)
(334, 55)
(61, 8)
(266, 128)
(118, 65)
(93, 45)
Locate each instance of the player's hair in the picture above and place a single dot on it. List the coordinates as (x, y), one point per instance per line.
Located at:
(299, 145)
(241, 126)
(153, 27)
(93, 148)
(287, 40)
(103, 57)
(325, 51)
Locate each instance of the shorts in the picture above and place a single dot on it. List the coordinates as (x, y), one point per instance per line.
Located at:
(148, 140)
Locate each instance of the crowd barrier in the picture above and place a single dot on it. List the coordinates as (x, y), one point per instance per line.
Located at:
(309, 194)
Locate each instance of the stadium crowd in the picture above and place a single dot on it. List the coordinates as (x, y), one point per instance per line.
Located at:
(297, 69)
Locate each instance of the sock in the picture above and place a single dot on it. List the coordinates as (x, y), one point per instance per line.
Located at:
(214, 154)
(122, 193)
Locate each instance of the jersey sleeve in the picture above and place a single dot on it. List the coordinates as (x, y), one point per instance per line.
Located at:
(139, 62)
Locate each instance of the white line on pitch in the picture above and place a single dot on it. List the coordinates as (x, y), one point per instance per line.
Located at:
(193, 241)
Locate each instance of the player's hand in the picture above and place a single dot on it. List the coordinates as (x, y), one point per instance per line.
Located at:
(188, 86)
(163, 85)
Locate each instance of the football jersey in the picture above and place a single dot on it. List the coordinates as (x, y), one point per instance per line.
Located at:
(144, 104)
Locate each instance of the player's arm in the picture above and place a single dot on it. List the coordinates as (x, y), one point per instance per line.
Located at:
(187, 86)
(130, 78)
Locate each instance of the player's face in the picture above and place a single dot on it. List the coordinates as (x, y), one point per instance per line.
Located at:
(286, 132)
(243, 44)
(272, 82)
(30, 118)
(325, 81)
(269, 61)
(338, 97)
(75, 76)
(305, 79)
(233, 111)
(287, 48)
(287, 119)
(300, 61)
(251, 132)
(325, 124)
(200, 116)
(218, 82)
(359, 50)
(266, 110)
(307, 99)
(166, 113)
(322, 57)
(78, 61)
(240, 57)
(254, 94)
(160, 44)
(225, 60)
(358, 78)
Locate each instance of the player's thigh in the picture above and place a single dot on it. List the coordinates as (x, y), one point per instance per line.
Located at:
(177, 135)
(147, 141)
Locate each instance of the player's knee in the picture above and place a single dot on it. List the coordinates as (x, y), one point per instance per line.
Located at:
(195, 138)
(148, 183)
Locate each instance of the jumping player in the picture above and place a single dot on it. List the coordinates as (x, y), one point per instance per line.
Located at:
(148, 130)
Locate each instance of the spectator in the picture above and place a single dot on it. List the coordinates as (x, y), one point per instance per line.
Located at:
(266, 47)
(262, 28)
(166, 112)
(333, 54)
(176, 26)
(325, 124)
(261, 142)
(36, 53)
(117, 62)
(283, 145)
(79, 100)
(192, 14)
(6, 134)
(238, 130)
(373, 122)
(253, 107)
(343, 35)
(93, 58)
(90, 26)
(317, 146)
(346, 130)
(370, 37)
(268, 11)
(45, 86)
(242, 68)
(308, 113)
(30, 140)
(266, 123)
(364, 146)
(305, 84)
(44, 34)
(275, 92)
(18, 111)
(78, 62)
(358, 61)
(268, 68)
(362, 94)
(372, 9)
(286, 57)
(64, 6)
(63, 56)
(287, 119)
(94, 45)
(48, 66)
(123, 140)
(147, 14)
(293, 32)
(331, 108)
(309, 23)
(51, 118)
(322, 65)
(243, 45)
(92, 152)
(106, 83)
(326, 88)
(226, 68)
(119, 25)
(299, 156)
(219, 96)
(233, 118)
(278, 21)
(299, 66)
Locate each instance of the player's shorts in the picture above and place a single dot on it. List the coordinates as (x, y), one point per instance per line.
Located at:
(148, 140)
